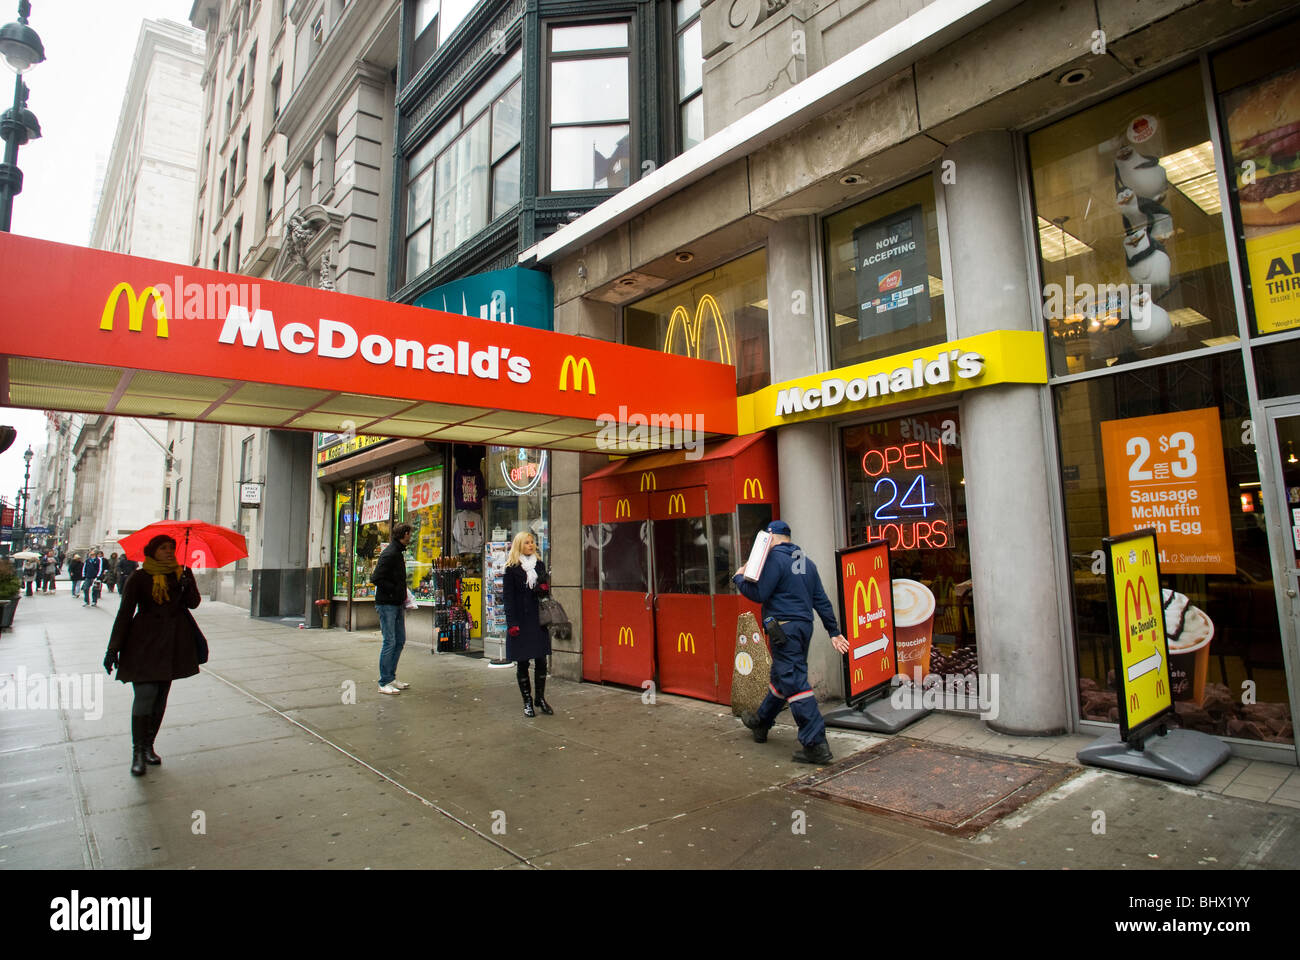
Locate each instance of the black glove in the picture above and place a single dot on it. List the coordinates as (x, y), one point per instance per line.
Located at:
(110, 661)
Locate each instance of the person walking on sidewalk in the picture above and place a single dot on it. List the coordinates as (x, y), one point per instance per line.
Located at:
(74, 572)
(92, 573)
(789, 590)
(524, 584)
(125, 567)
(389, 578)
(155, 641)
(110, 572)
(51, 571)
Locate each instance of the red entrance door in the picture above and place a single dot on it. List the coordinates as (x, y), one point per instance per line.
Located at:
(684, 615)
(626, 614)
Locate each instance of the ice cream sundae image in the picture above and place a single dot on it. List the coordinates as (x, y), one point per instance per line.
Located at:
(1188, 631)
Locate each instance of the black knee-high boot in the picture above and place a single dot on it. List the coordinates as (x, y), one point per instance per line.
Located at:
(540, 700)
(139, 737)
(151, 758)
(527, 691)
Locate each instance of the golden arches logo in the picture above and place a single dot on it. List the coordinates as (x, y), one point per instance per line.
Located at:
(1140, 602)
(852, 569)
(1120, 565)
(579, 369)
(879, 562)
(685, 641)
(623, 508)
(1146, 557)
(625, 636)
(865, 591)
(648, 481)
(135, 309)
(752, 485)
(678, 501)
(884, 663)
(693, 329)
(858, 675)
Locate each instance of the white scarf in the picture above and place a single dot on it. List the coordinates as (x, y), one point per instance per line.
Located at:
(529, 563)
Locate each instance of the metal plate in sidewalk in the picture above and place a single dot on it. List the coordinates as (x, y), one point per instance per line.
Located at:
(946, 788)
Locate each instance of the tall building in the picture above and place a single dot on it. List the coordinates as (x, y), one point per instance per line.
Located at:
(122, 467)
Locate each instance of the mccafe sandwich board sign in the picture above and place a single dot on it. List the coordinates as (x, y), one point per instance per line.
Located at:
(1138, 631)
(867, 608)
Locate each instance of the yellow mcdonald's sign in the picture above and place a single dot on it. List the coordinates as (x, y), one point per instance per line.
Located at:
(648, 481)
(853, 569)
(1120, 565)
(753, 484)
(685, 641)
(865, 591)
(623, 508)
(135, 309)
(693, 329)
(1146, 556)
(678, 501)
(625, 636)
(579, 368)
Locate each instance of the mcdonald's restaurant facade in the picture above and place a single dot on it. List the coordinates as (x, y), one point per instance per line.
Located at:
(990, 297)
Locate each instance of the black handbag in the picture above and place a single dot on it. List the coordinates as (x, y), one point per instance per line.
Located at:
(550, 613)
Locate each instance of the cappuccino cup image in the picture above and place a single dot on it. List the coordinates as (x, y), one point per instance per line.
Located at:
(914, 608)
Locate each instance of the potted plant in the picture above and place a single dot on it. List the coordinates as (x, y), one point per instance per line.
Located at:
(10, 587)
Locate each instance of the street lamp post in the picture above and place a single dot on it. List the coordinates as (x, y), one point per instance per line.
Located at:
(27, 473)
(22, 49)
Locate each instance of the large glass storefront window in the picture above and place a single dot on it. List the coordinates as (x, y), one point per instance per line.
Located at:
(1130, 229)
(1259, 103)
(884, 275)
(518, 486)
(720, 315)
(905, 485)
(1173, 447)
(419, 503)
(373, 530)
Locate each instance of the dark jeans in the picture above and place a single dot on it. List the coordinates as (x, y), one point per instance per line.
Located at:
(789, 685)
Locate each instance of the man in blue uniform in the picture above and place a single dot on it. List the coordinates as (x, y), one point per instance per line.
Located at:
(789, 590)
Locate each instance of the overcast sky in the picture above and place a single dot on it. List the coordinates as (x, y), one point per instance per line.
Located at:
(76, 95)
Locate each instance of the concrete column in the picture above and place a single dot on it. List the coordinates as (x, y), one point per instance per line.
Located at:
(280, 586)
(805, 452)
(790, 285)
(1013, 558)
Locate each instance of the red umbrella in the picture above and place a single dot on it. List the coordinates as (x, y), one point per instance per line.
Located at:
(198, 544)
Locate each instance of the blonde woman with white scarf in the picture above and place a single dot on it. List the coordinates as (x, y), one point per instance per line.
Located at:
(524, 584)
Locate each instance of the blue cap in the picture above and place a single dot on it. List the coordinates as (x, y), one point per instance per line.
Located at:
(779, 527)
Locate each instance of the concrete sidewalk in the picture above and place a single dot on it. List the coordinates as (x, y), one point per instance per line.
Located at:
(282, 754)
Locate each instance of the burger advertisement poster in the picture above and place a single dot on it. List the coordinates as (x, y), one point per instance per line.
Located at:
(1264, 129)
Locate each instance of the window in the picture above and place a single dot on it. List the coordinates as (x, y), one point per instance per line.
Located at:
(467, 173)
(589, 117)
(324, 185)
(374, 529)
(720, 315)
(690, 73)
(236, 247)
(884, 275)
(275, 92)
(243, 155)
(234, 173)
(221, 192)
(252, 66)
(225, 254)
(239, 90)
(1130, 230)
(432, 22)
(230, 114)
(419, 503)
(268, 197)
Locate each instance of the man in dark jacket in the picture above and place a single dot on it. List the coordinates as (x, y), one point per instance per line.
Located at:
(74, 571)
(389, 579)
(125, 567)
(92, 574)
(789, 589)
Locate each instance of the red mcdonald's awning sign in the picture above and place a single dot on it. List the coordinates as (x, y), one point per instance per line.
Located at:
(79, 306)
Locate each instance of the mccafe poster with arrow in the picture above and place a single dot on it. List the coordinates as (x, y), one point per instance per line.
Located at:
(1138, 631)
(867, 610)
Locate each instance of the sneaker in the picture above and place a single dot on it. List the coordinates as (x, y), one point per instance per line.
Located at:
(756, 727)
(400, 685)
(390, 689)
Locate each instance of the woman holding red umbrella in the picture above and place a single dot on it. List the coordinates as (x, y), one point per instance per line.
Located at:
(155, 641)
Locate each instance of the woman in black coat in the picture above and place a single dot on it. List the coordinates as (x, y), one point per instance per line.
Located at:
(155, 641)
(524, 583)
